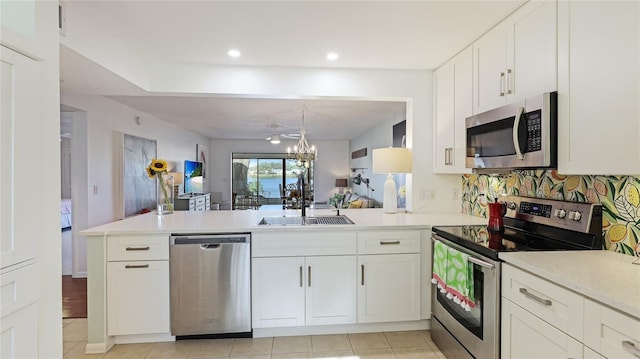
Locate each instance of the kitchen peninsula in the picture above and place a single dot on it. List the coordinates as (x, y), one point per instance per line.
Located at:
(378, 260)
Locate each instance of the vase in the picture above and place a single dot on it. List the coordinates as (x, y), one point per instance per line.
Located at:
(165, 194)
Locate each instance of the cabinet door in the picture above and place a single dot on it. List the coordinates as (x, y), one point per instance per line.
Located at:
(598, 87)
(137, 297)
(526, 336)
(532, 50)
(611, 333)
(331, 290)
(388, 288)
(453, 97)
(19, 186)
(19, 333)
(443, 125)
(278, 292)
(490, 57)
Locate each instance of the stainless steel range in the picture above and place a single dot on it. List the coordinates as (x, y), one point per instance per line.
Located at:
(530, 224)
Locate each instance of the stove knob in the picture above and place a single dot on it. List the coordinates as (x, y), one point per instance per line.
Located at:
(575, 215)
(561, 213)
(511, 205)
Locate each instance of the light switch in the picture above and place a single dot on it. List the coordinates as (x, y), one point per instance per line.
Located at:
(95, 189)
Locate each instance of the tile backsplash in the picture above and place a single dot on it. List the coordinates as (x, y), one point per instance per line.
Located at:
(619, 195)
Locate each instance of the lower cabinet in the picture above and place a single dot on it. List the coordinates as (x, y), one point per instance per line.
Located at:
(296, 291)
(388, 288)
(138, 297)
(526, 336)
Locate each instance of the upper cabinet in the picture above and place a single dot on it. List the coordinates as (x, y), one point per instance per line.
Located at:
(598, 87)
(517, 58)
(452, 104)
(22, 28)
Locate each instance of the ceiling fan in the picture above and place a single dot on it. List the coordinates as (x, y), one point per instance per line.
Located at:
(276, 136)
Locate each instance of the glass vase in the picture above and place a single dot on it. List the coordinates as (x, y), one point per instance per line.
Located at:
(165, 194)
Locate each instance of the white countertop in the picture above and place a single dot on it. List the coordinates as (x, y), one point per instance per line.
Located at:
(605, 276)
(246, 221)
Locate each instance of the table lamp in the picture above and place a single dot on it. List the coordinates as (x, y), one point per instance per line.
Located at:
(341, 183)
(391, 160)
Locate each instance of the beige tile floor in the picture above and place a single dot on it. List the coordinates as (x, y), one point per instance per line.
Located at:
(388, 345)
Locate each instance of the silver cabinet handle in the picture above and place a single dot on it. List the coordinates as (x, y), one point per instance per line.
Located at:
(362, 274)
(545, 302)
(309, 276)
(631, 348)
(138, 248)
(509, 90)
(300, 276)
(389, 242)
(502, 84)
(450, 156)
(132, 266)
(446, 154)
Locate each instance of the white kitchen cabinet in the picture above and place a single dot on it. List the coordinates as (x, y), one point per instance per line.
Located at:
(517, 58)
(19, 193)
(453, 84)
(18, 333)
(611, 333)
(598, 87)
(278, 292)
(526, 336)
(138, 285)
(296, 291)
(388, 287)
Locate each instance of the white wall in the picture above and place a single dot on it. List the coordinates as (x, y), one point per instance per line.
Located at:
(104, 117)
(332, 163)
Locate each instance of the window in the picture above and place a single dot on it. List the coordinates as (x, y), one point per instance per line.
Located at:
(257, 179)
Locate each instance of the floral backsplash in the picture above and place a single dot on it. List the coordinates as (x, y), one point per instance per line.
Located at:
(619, 196)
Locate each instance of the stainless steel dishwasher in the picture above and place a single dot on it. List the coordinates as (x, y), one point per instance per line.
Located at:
(210, 284)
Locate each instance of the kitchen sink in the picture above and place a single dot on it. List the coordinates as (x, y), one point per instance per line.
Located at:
(298, 221)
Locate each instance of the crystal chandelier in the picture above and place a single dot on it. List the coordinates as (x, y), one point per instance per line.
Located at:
(302, 152)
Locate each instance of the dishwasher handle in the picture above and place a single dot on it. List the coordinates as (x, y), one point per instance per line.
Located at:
(205, 239)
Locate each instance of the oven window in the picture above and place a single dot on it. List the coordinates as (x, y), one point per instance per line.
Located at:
(492, 139)
(473, 319)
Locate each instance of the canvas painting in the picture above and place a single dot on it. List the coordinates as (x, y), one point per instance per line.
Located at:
(202, 155)
(400, 140)
(139, 190)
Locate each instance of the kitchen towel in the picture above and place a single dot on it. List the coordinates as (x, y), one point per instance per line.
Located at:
(453, 274)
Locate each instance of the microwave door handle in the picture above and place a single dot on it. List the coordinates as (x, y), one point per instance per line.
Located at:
(516, 140)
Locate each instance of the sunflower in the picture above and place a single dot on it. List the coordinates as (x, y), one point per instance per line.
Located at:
(159, 165)
(150, 172)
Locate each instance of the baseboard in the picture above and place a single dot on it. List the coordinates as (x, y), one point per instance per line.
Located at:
(342, 329)
(100, 348)
(144, 338)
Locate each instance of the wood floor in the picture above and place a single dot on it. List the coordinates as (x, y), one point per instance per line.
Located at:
(74, 297)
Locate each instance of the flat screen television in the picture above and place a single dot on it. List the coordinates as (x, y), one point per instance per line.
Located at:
(193, 180)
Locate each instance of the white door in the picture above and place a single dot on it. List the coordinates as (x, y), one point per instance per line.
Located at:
(526, 336)
(490, 57)
(388, 288)
(138, 297)
(331, 290)
(278, 292)
(532, 50)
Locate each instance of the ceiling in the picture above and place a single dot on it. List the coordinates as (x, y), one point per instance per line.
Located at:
(417, 35)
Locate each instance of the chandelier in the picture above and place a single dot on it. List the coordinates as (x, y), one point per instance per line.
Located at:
(302, 152)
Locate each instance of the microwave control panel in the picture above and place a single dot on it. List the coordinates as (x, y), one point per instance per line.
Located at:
(534, 131)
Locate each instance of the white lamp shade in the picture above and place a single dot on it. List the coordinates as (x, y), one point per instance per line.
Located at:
(392, 160)
(177, 177)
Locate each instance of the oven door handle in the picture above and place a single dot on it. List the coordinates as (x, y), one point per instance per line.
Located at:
(481, 263)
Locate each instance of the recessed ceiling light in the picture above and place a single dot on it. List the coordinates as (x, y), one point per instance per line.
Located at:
(332, 56)
(233, 53)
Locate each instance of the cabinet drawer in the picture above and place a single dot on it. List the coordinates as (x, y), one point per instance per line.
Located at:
(200, 201)
(19, 288)
(611, 333)
(554, 304)
(279, 244)
(384, 242)
(131, 248)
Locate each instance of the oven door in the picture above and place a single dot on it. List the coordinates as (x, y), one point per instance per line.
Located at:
(478, 330)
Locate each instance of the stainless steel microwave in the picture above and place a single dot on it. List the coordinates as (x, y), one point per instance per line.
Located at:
(521, 135)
